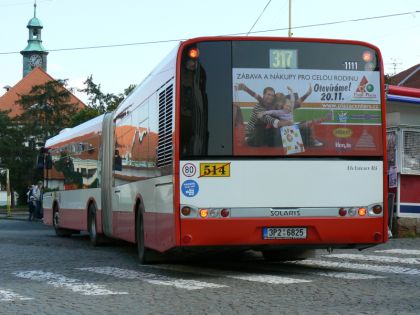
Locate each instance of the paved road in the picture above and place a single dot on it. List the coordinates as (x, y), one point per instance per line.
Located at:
(44, 274)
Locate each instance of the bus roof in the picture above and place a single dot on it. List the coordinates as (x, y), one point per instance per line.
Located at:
(69, 133)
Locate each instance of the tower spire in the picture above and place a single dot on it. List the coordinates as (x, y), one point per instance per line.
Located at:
(34, 55)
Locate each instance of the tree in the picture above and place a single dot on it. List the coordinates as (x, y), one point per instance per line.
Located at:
(18, 155)
(47, 109)
(83, 115)
(98, 102)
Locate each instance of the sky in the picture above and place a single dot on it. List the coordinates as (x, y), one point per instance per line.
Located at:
(87, 23)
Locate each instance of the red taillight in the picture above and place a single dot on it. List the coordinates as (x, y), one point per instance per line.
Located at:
(186, 211)
(377, 209)
(342, 212)
(224, 213)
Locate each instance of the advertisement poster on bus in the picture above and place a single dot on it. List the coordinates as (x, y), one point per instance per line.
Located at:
(331, 112)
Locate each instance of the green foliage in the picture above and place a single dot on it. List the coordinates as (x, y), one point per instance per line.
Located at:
(46, 110)
(17, 154)
(83, 115)
(98, 102)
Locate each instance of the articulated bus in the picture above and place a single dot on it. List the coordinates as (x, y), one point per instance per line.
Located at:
(233, 143)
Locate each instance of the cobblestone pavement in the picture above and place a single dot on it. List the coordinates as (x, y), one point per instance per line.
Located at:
(43, 274)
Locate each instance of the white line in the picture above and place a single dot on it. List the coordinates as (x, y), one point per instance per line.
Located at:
(234, 275)
(60, 281)
(348, 275)
(153, 278)
(330, 274)
(382, 259)
(399, 251)
(375, 268)
(6, 295)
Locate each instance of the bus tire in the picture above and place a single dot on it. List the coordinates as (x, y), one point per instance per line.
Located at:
(289, 254)
(95, 238)
(56, 220)
(146, 255)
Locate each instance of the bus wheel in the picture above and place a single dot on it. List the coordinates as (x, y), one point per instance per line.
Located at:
(285, 255)
(56, 220)
(94, 237)
(146, 256)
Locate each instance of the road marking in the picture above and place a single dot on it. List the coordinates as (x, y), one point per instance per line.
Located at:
(60, 281)
(6, 295)
(382, 259)
(344, 265)
(348, 275)
(264, 278)
(153, 278)
(399, 251)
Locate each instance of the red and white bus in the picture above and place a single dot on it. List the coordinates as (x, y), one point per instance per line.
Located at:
(271, 144)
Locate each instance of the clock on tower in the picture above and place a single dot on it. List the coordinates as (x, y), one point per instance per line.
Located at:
(35, 61)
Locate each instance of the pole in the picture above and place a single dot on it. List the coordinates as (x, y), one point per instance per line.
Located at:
(9, 199)
(290, 18)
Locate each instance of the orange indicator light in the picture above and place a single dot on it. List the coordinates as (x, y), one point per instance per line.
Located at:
(362, 212)
(367, 56)
(204, 213)
(193, 53)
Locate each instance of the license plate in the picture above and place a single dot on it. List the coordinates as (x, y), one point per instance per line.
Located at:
(274, 233)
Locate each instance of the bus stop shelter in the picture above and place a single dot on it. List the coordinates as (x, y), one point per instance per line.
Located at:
(403, 152)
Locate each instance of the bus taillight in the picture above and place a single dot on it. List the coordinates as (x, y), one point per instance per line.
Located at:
(377, 209)
(362, 212)
(353, 211)
(193, 53)
(186, 211)
(367, 56)
(204, 213)
(224, 213)
(342, 212)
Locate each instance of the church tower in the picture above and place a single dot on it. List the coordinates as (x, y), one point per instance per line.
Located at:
(34, 55)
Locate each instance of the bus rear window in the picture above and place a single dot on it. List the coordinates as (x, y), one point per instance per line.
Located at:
(281, 98)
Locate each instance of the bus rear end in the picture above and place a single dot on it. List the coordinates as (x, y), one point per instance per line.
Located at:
(280, 144)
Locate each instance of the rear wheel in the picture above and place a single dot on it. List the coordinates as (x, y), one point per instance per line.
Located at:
(95, 238)
(146, 255)
(290, 254)
(56, 223)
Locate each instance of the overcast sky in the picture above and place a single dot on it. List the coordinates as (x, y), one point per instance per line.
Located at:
(85, 23)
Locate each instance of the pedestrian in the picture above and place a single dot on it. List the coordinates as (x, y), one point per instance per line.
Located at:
(38, 194)
(31, 202)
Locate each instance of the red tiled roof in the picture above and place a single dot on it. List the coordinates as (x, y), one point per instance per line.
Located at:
(24, 86)
(408, 78)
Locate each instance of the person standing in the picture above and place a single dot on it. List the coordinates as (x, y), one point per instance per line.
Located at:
(31, 202)
(37, 193)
